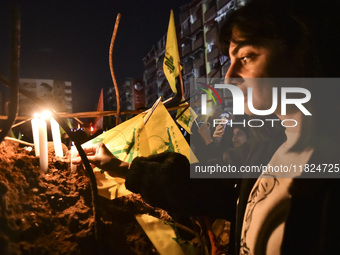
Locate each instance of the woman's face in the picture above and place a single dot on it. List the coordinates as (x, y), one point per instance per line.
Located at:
(239, 137)
(253, 61)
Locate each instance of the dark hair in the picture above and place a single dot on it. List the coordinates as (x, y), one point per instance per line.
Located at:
(245, 130)
(307, 30)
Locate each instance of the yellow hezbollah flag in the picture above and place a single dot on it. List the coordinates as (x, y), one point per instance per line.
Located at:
(146, 134)
(171, 58)
(186, 117)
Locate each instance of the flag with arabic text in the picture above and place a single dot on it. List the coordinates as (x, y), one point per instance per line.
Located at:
(171, 61)
(146, 134)
(186, 117)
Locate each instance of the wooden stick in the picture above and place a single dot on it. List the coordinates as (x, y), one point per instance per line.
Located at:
(152, 110)
(79, 121)
(18, 141)
(193, 112)
(179, 115)
(111, 67)
(167, 100)
(181, 80)
(21, 122)
(93, 114)
(197, 123)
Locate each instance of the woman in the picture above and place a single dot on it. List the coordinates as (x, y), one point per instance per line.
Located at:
(240, 136)
(275, 39)
(276, 214)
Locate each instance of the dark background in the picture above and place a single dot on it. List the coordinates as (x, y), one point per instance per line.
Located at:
(69, 40)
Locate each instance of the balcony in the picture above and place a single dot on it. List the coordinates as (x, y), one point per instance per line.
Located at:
(151, 71)
(186, 50)
(184, 15)
(185, 33)
(197, 25)
(150, 80)
(213, 73)
(222, 10)
(187, 69)
(149, 57)
(210, 14)
(211, 34)
(221, 3)
(213, 54)
(199, 62)
(198, 43)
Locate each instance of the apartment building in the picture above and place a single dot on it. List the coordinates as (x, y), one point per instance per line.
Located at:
(56, 94)
(200, 57)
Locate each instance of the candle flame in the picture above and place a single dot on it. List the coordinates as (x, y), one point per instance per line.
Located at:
(46, 115)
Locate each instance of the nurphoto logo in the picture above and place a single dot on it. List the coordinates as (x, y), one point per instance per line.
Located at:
(301, 97)
(238, 100)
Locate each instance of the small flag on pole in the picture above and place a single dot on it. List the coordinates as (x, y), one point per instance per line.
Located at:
(171, 65)
(186, 117)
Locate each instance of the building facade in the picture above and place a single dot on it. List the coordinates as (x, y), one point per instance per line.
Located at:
(154, 78)
(131, 94)
(197, 28)
(201, 58)
(56, 94)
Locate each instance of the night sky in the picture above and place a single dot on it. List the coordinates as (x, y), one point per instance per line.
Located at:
(69, 40)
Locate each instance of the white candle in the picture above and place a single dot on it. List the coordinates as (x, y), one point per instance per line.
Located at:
(74, 153)
(43, 159)
(35, 131)
(56, 138)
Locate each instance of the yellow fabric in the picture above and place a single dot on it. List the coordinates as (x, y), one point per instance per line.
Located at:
(110, 187)
(171, 58)
(160, 234)
(187, 118)
(133, 138)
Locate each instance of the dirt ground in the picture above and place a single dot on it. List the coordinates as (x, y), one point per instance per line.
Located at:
(53, 213)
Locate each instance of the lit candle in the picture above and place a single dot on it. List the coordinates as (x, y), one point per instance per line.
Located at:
(35, 131)
(43, 158)
(56, 138)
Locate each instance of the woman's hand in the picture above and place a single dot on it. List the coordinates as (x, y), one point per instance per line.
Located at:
(204, 131)
(219, 131)
(100, 156)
